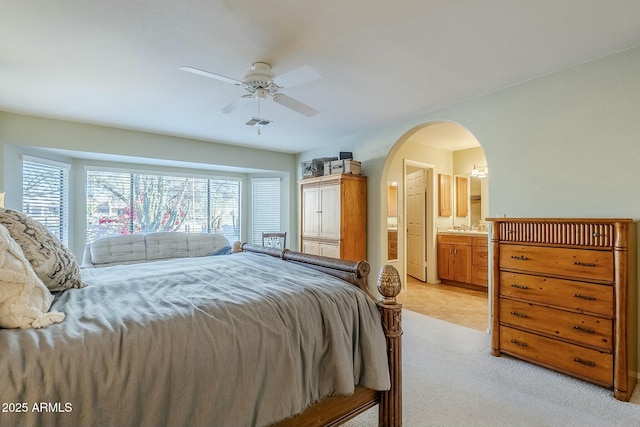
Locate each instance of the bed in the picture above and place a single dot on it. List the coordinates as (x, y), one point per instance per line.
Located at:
(260, 337)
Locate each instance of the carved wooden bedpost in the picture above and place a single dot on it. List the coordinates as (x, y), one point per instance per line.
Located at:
(389, 285)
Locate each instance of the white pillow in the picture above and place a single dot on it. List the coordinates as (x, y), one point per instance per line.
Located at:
(24, 299)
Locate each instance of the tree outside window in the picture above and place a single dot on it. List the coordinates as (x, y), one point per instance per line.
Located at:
(130, 203)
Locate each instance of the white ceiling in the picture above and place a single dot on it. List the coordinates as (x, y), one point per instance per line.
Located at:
(116, 62)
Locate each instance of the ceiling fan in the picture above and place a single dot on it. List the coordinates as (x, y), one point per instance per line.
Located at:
(261, 83)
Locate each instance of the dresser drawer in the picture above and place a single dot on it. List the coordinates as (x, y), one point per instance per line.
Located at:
(581, 328)
(570, 294)
(569, 358)
(573, 263)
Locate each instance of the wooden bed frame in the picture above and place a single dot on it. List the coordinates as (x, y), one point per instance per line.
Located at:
(336, 410)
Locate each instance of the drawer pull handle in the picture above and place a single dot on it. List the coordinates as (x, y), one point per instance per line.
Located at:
(521, 257)
(584, 264)
(521, 344)
(513, 285)
(515, 313)
(584, 362)
(596, 234)
(585, 297)
(580, 328)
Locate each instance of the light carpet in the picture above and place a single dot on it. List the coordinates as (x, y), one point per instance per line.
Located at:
(451, 379)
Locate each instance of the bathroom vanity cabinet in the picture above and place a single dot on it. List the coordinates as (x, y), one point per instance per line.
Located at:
(462, 258)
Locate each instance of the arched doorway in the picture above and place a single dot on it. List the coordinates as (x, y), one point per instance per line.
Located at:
(415, 169)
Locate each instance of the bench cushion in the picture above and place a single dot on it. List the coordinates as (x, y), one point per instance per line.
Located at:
(136, 248)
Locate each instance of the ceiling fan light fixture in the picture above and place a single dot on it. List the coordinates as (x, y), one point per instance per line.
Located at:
(261, 93)
(259, 72)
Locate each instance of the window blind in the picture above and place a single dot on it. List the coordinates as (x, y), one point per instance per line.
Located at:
(45, 194)
(265, 202)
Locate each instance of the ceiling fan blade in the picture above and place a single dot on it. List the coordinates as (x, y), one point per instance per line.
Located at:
(295, 105)
(304, 74)
(212, 75)
(235, 104)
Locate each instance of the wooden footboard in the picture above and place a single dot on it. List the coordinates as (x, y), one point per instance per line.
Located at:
(336, 410)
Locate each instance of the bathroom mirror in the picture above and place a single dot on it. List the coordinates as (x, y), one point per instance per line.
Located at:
(477, 199)
(392, 221)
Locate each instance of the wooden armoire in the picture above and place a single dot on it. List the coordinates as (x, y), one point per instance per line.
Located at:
(334, 216)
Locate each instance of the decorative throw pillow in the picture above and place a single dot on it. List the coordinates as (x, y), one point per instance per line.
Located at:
(24, 300)
(51, 260)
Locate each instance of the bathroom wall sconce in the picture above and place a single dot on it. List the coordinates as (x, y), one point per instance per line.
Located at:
(479, 172)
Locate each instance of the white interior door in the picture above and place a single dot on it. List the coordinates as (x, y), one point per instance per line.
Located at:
(415, 194)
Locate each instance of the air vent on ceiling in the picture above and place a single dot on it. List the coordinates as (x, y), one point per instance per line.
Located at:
(258, 122)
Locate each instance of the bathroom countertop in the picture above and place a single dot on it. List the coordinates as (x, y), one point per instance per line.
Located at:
(465, 232)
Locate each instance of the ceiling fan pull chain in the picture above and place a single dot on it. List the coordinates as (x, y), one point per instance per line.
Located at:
(258, 114)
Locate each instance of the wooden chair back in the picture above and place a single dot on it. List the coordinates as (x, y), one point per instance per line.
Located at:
(274, 240)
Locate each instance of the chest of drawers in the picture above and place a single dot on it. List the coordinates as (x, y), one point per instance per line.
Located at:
(564, 297)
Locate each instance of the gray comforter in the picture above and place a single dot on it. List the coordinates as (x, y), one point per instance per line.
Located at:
(238, 340)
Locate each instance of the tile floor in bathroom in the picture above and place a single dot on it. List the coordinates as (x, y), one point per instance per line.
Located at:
(454, 304)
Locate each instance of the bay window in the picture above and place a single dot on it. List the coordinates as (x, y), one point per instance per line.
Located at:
(126, 202)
